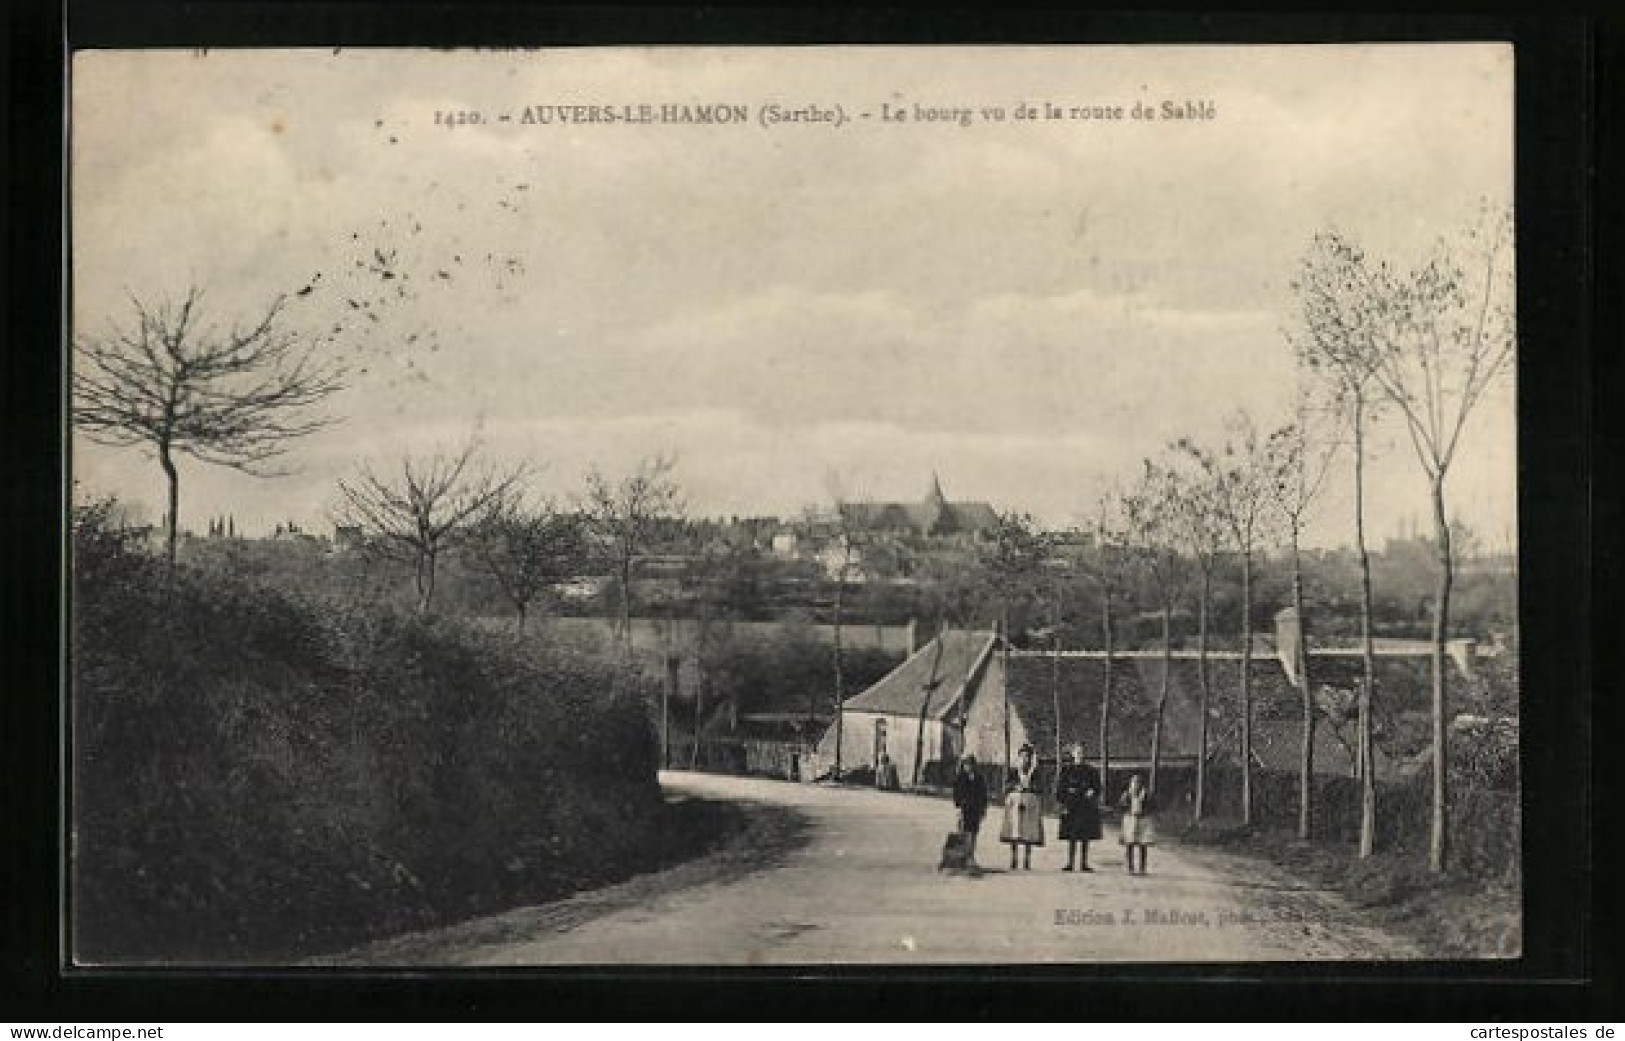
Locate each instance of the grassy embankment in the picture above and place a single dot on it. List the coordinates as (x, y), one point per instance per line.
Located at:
(259, 776)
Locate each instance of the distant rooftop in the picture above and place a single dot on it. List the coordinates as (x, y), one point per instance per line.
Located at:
(932, 516)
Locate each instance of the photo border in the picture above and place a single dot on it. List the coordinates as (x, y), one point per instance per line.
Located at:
(1554, 83)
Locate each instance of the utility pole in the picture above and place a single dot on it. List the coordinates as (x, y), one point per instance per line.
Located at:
(1004, 664)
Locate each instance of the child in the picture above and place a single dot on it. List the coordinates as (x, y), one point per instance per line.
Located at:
(970, 796)
(1138, 830)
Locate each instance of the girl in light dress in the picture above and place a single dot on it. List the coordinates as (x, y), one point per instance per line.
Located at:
(1139, 829)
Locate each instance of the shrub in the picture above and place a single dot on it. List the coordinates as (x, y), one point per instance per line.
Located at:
(258, 774)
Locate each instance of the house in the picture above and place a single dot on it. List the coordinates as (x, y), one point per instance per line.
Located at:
(961, 693)
(964, 692)
(348, 538)
(841, 560)
(934, 517)
(914, 714)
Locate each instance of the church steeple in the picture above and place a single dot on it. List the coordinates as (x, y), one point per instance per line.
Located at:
(935, 506)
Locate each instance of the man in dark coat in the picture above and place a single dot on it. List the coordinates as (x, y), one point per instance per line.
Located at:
(970, 796)
(1077, 791)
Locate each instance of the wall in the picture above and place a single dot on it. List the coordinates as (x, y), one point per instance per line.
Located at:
(984, 727)
(648, 634)
(902, 736)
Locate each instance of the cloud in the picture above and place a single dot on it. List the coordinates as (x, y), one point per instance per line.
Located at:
(1028, 306)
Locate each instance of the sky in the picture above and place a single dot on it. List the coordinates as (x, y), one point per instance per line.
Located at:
(1025, 307)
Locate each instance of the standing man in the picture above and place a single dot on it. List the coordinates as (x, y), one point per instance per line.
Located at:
(1077, 791)
(970, 796)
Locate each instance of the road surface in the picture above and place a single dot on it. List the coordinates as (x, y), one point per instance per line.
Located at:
(828, 875)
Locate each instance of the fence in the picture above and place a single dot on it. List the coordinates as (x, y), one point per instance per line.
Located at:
(787, 760)
(651, 634)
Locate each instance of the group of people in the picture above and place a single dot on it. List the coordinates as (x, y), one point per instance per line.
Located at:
(1077, 791)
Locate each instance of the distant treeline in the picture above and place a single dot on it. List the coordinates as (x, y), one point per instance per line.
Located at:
(762, 588)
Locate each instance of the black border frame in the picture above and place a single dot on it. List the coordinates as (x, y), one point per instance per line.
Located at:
(1561, 507)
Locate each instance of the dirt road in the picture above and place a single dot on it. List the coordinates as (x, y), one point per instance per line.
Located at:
(849, 876)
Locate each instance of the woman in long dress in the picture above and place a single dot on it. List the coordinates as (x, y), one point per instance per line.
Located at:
(1077, 792)
(1023, 826)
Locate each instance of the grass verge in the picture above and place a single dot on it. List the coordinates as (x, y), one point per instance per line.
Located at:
(1453, 915)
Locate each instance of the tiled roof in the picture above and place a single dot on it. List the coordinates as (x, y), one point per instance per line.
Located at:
(948, 517)
(1278, 746)
(1136, 685)
(1081, 686)
(1080, 680)
(970, 516)
(944, 666)
(1403, 681)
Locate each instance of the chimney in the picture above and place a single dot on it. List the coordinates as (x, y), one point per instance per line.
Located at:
(913, 635)
(1463, 652)
(1287, 631)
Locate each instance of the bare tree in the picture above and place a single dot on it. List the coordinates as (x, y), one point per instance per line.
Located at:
(1052, 633)
(847, 528)
(1240, 476)
(628, 514)
(1202, 531)
(1448, 332)
(1112, 560)
(1057, 603)
(1008, 563)
(181, 385)
(1299, 460)
(1337, 348)
(429, 506)
(1151, 519)
(928, 691)
(715, 570)
(857, 543)
(525, 550)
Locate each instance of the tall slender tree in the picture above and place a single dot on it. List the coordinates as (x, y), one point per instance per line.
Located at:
(716, 570)
(1448, 332)
(1009, 562)
(1052, 633)
(1203, 533)
(1111, 562)
(1151, 519)
(1299, 460)
(1055, 669)
(1336, 347)
(1240, 477)
(849, 528)
(928, 691)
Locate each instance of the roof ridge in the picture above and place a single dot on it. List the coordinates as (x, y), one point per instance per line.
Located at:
(976, 666)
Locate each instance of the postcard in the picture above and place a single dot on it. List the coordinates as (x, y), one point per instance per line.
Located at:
(799, 506)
